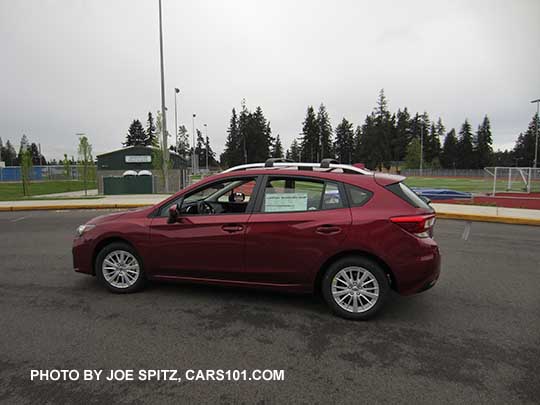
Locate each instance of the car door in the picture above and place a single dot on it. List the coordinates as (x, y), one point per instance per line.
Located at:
(203, 246)
(298, 222)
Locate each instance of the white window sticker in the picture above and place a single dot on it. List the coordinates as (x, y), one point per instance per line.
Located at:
(283, 202)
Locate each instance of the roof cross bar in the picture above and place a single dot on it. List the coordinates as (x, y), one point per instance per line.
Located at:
(270, 162)
(325, 163)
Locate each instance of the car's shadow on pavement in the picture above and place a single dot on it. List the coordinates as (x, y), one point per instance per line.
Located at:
(237, 302)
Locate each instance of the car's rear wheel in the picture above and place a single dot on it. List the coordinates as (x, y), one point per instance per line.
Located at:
(119, 267)
(355, 287)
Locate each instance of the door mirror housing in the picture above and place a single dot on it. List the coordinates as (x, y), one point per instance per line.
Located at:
(174, 214)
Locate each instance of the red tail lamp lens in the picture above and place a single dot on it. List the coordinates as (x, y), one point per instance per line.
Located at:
(419, 225)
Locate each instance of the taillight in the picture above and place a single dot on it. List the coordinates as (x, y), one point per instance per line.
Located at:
(418, 225)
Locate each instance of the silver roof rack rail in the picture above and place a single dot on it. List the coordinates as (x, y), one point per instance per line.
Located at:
(284, 165)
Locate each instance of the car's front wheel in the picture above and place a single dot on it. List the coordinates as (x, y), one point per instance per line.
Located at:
(355, 287)
(119, 267)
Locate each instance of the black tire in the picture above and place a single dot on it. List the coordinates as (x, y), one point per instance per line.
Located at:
(366, 265)
(140, 281)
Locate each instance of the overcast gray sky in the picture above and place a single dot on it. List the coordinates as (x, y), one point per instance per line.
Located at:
(70, 66)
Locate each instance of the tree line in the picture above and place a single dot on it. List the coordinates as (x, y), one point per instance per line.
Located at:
(138, 135)
(11, 157)
(383, 140)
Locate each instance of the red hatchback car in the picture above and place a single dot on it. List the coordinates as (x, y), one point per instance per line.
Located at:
(301, 227)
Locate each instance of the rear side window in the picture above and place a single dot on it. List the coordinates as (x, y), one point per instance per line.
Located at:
(405, 193)
(357, 195)
(291, 194)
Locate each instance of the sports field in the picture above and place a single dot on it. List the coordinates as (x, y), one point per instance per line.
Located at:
(10, 191)
(473, 184)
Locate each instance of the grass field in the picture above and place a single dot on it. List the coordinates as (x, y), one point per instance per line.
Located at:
(459, 184)
(14, 191)
(474, 185)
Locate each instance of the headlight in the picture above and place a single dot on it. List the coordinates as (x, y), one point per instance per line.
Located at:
(84, 228)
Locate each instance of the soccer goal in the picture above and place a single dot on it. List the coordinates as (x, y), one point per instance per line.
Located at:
(514, 179)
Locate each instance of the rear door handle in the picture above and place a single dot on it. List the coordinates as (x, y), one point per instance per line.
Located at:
(232, 228)
(328, 229)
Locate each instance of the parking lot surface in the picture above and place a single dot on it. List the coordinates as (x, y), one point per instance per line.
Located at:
(473, 338)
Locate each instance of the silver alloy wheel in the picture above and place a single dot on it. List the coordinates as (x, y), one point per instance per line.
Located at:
(355, 289)
(120, 269)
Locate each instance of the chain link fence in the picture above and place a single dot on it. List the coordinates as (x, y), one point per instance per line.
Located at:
(57, 172)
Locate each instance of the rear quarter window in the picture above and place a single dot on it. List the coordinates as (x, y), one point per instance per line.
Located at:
(405, 193)
(357, 196)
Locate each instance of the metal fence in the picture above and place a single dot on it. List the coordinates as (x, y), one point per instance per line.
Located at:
(74, 172)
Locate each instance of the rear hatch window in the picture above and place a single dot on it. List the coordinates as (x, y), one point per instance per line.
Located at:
(405, 193)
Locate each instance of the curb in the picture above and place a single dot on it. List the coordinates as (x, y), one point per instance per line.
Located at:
(488, 218)
(440, 215)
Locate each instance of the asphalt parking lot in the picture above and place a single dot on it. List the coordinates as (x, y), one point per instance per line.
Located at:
(473, 338)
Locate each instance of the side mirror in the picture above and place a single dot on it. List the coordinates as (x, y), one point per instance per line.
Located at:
(174, 213)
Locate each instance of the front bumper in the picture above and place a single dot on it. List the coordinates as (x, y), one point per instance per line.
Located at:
(82, 256)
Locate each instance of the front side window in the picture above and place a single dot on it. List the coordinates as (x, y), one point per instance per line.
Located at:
(298, 194)
(222, 197)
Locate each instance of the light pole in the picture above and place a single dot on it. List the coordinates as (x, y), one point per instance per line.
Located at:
(193, 155)
(421, 148)
(537, 101)
(206, 130)
(163, 109)
(176, 91)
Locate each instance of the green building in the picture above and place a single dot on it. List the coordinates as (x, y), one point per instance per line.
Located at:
(138, 158)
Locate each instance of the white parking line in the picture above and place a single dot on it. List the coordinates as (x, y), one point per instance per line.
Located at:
(466, 231)
(18, 219)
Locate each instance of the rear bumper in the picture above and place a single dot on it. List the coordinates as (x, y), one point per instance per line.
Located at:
(422, 272)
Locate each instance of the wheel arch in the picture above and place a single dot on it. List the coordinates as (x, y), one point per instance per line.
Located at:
(104, 242)
(318, 278)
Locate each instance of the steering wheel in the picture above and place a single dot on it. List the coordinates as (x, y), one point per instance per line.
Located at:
(203, 207)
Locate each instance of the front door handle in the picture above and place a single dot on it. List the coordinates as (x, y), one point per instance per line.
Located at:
(328, 230)
(232, 228)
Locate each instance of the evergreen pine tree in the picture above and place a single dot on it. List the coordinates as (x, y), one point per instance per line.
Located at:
(277, 148)
(325, 135)
(525, 144)
(465, 146)
(136, 135)
(2, 151)
(412, 157)
(483, 141)
(310, 138)
(369, 148)
(34, 154)
(358, 150)
(449, 155)
(183, 142)
(403, 135)
(379, 138)
(344, 144)
(259, 137)
(233, 153)
(503, 158)
(432, 147)
(294, 151)
(244, 123)
(151, 135)
(23, 146)
(10, 156)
